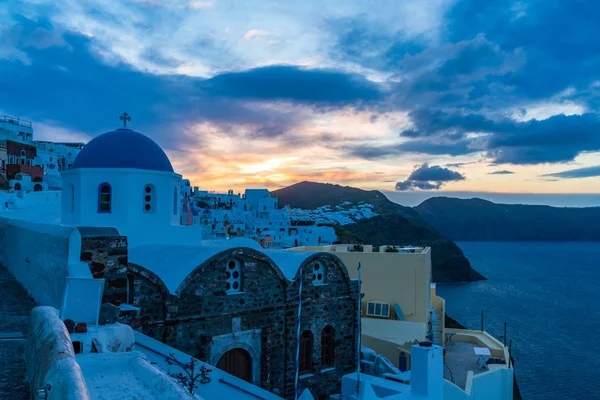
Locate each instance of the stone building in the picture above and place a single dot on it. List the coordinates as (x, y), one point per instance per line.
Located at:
(227, 302)
(238, 310)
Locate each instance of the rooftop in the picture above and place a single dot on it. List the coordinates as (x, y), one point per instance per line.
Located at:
(461, 358)
(15, 121)
(123, 148)
(398, 332)
(127, 376)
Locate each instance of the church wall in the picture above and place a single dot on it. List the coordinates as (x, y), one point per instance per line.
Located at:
(332, 303)
(127, 191)
(205, 321)
(38, 257)
(204, 311)
(147, 291)
(107, 259)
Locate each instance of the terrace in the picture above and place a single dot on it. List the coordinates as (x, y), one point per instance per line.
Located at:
(15, 121)
(463, 367)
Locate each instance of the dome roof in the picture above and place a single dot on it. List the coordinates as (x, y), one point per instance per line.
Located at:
(123, 148)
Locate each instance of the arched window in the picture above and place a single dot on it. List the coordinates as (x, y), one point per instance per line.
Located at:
(175, 205)
(327, 347)
(104, 198)
(306, 348)
(233, 271)
(149, 198)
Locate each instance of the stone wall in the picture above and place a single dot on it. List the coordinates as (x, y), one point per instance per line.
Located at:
(205, 321)
(148, 292)
(333, 303)
(107, 258)
(205, 311)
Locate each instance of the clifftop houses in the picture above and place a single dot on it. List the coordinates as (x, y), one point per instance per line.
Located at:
(130, 294)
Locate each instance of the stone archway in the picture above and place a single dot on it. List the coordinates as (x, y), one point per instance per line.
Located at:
(237, 362)
(248, 341)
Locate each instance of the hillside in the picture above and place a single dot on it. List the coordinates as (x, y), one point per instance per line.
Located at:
(482, 220)
(395, 224)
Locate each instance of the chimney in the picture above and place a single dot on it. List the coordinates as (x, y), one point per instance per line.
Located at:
(427, 370)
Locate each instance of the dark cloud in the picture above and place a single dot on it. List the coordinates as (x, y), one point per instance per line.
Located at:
(309, 86)
(361, 41)
(430, 147)
(557, 139)
(425, 177)
(554, 35)
(499, 56)
(501, 172)
(61, 76)
(458, 164)
(586, 172)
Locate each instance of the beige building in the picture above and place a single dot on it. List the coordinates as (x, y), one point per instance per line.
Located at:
(395, 285)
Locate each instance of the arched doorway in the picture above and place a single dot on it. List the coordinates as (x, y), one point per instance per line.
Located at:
(37, 188)
(17, 186)
(237, 362)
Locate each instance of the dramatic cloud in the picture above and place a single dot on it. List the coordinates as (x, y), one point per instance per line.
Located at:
(425, 177)
(226, 86)
(479, 85)
(66, 80)
(502, 172)
(586, 172)
(556, 139)
(322, 87)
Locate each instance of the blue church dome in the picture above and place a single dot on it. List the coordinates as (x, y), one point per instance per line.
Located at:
(123, 148)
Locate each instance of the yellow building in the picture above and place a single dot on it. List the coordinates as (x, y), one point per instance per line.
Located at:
(389, 278)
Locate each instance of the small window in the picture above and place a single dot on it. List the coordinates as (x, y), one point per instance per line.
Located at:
(72, 190)
(233, 272)
(385, 309)
(78, 347)
(149, 198)
(318, 276)
(306, 348)
(175, 200)
(378, 309)
(104, 198)
(327, 347)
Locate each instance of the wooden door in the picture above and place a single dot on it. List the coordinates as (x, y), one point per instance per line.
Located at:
(237, 362)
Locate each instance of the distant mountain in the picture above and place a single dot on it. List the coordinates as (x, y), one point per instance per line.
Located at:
(395, 224)
(482, 220)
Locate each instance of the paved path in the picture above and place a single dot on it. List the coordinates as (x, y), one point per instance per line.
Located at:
(15, 305)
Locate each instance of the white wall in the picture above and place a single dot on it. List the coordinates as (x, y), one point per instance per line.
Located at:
(127, 205)
(127, 198)
(50, 358)
(491, 385)
(38, 256)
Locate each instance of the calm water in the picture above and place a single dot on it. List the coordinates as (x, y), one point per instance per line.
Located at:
(549, 295)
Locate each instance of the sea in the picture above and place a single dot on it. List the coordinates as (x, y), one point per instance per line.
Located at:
(549, 296)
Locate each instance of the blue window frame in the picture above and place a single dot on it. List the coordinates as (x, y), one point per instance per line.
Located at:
(104, 198)
(175, 201)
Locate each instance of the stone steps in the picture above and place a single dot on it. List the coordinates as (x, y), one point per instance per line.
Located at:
(15, 306)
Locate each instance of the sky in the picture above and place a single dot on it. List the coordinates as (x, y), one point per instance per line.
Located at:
(416, 98)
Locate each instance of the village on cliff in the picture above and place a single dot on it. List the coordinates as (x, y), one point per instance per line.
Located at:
(135, 284)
